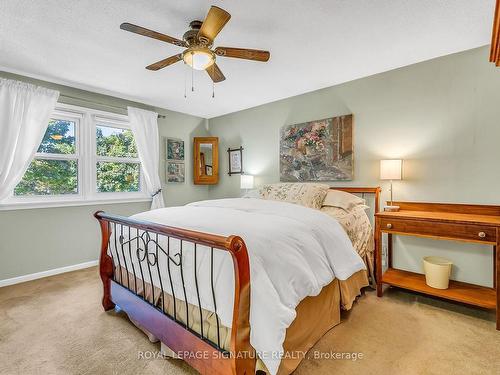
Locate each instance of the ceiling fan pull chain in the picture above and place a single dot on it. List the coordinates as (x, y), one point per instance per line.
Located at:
(192, 71)
(185, 80)
(213, 83)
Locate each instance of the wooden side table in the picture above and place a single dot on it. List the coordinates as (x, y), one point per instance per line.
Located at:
(458, 222)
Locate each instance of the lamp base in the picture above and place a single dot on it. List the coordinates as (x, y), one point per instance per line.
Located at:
(391, 208)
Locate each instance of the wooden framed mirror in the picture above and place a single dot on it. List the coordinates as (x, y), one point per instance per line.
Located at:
(206, 160)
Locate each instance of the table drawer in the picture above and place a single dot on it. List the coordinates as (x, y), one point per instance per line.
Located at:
(477, 233)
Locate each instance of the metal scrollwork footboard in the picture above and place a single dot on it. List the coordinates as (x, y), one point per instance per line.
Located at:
(142, 264)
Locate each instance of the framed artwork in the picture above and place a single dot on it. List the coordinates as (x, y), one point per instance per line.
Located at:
(175, 149)
(175, 172)
(175, 169)
(235, 160)
(319, 150)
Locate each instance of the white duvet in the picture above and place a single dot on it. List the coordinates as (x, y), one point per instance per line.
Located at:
(294, 251)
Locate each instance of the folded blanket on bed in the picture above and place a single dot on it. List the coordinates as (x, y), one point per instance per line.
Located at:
(294, 251)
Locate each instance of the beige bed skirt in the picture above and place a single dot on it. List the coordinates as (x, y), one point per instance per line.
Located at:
(302, 334)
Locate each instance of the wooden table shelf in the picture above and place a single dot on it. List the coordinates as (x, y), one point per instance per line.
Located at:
(441, 221)
(458, 291)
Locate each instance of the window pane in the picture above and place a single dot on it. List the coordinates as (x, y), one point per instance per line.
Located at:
(117, 177)
(59, 138)
(115, 142)
(49, 177)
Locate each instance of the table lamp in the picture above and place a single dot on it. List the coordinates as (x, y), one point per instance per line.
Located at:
(391, 170)
(246, 182)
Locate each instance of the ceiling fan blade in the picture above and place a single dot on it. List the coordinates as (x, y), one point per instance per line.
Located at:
(152, 34)
(215, 73)
(243, 53)
(213, 24)
(165, 62)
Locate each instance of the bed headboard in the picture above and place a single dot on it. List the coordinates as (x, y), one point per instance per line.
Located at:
(370, 194)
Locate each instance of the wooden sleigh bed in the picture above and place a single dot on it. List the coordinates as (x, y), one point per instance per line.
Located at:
(156, 308)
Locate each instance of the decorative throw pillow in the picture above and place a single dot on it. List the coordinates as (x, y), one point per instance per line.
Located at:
(308, 195)
(342, 199)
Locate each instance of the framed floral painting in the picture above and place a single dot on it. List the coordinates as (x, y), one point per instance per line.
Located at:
(319, 150)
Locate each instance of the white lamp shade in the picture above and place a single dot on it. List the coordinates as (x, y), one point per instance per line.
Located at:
(246, 181)
(391, 169)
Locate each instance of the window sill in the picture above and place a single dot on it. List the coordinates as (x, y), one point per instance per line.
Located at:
(69, 203)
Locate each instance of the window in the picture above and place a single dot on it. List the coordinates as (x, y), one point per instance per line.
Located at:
(54, 170)
(118, 167)
(85, 156)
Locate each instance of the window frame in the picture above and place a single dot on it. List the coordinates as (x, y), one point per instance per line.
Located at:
(86, 120)
(76, 119)
(116, 123)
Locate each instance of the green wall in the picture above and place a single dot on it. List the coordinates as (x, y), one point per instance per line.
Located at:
(441, 116)
(46, 238)
(35, 240)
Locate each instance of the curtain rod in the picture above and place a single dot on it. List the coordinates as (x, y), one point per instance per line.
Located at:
(99, 104)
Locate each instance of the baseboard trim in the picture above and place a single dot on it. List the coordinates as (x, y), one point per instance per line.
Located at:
(55, 271)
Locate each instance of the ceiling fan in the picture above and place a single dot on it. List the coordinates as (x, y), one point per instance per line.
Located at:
(198, 42)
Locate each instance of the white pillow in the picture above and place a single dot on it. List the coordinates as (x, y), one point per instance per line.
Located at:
(252, 193)
(342, 199)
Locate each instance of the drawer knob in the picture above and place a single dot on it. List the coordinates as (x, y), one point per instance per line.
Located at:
(481, 235)
(389, 225)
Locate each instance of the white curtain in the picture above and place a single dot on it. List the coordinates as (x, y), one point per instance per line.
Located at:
(144, 125)
(25, 111)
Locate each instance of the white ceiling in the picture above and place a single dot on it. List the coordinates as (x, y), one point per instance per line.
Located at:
(313, 44)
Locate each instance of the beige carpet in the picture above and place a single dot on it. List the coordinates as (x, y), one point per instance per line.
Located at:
(56, 326)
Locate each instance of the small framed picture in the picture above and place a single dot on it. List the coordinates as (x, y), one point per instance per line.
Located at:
(235, 160)
(175, 149)
(175, 172)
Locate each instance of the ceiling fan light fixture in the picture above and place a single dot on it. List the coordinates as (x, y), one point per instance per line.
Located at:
(198, 41)
(198, 58)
